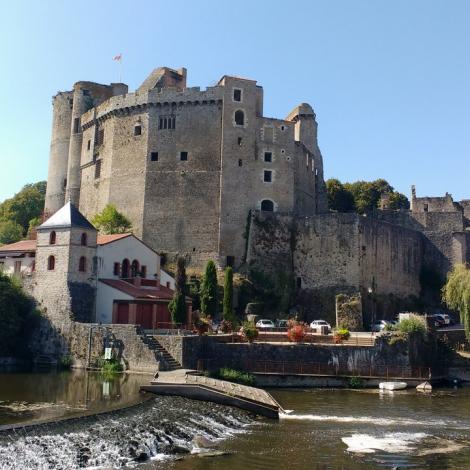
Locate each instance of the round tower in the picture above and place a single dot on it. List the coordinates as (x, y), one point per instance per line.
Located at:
(62, 104)
(82, 102)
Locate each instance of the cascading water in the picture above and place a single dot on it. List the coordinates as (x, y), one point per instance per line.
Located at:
(157, 429)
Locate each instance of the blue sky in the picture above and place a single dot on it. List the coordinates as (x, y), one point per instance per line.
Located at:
(389, 80)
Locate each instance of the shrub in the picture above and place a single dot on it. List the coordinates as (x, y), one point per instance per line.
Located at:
(111, 366)
(398, 337)
(249, 331)
(296, 331)
(226, 326)
(343, 333)
(411, 325)
(65, 362)
(356, 382)
(233, 375)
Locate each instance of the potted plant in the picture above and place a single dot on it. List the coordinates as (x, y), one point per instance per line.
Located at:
(340, 335)
(249, 331)
(296, 331)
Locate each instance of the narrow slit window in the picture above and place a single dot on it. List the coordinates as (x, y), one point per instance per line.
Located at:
(88, 145)
(240, 162)
(268, 176)
(183, 156)
(98, 169)
(76, 125)
(138, 130)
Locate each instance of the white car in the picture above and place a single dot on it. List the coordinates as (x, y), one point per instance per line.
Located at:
(318, 323)
(380, 325)
(265, 324)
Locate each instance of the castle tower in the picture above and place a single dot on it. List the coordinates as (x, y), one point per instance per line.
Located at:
(62, 105)
(66, 266)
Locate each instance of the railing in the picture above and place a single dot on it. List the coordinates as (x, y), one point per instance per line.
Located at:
(325, 369)
(167, 328)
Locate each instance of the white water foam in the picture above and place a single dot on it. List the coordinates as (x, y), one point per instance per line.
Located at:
(391, 442)
(374, 420)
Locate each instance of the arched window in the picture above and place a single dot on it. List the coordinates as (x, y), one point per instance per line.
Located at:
(239, 118)
(134, 268)
(125, 268)
(82, 264)
(50, 263)
(52, 238)
(267, 205)
(83, 239)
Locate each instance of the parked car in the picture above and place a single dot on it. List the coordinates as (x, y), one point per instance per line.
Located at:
(281, 323)
(316, 324)
(380, 325)
(265, 324)
(445, 318)
(439, 320)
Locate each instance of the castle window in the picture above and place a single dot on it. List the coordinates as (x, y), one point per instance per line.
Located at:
(82, 264)
(168, 285)
(88, 145)
(50, 263)
(165, 123)
(143, 271)
(97, 169)
(64, 184)
(125, 268)
(173, 123)
(154, 156)
(240, 162)
(237, 94)
(83, 239)
(137, 129)
(134, 268)
(283, 128)
(168, 122)
(240, 141)
(76, 125)
(52, 238)
(239, 118)
(267, 205)
(230, 261)
(268, 157)
(425, 207)
(183, 156)
(100, 137)
(268, 176)
(299, 283)
(116, 269)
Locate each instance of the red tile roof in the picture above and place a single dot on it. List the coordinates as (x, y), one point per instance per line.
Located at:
(105, 239)
(140, 292)
(22, 245)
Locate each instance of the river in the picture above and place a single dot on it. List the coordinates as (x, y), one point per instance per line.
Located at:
(326, 429)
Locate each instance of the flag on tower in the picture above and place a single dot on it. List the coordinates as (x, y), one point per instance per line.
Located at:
(118, 57)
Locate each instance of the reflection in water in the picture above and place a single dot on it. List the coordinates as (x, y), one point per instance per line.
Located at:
(35, 396)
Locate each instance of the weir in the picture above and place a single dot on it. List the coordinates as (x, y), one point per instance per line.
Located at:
(185, 383)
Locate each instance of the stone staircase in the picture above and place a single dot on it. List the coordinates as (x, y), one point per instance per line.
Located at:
(167, 361)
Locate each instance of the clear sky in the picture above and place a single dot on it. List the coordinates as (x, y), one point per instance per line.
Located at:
(388, 80)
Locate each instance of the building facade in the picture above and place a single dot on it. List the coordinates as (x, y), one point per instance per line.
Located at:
(193, 161)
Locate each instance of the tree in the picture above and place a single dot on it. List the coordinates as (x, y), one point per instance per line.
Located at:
(110, 221)
(177, 306)
(398, 201)
(24, 205)
(209, 290)
(15, 309)
(228, 295)
(10, 232)
(339, 199)
(456, 294)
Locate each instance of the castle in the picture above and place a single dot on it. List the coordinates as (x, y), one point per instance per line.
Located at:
(203, 173)
(185, 165)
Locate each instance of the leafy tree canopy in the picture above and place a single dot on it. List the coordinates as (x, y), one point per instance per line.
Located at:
(24, 206)
(10, 232)
(110, 221)
(362, 196)
(456, 294)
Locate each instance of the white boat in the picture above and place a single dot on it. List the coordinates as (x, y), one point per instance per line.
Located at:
(392, 385)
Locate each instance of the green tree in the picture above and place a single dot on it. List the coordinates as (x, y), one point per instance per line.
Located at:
(15, 309)
(228, 295)
(24, 205)
(110, 221)
(177, 306)
(10, 232)
(399, 201)
(209, 290)
(339, 198)
(456, 294)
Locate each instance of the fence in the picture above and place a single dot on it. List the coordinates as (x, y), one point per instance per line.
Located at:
(325, 369)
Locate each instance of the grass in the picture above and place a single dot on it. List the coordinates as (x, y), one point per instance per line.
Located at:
(233, 375)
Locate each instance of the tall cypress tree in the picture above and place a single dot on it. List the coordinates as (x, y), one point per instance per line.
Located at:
(209, 290)
(228, 295)
(177, 306)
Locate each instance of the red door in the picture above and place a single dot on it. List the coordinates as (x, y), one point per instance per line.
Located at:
(123, 313)
(143, 316)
